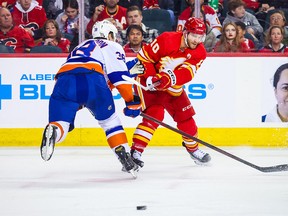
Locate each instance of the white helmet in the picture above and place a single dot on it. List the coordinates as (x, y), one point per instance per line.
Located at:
(102, 29)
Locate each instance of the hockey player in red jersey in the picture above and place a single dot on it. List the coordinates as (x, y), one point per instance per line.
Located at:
(171, 60)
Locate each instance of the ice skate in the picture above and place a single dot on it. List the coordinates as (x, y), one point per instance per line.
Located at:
(126, 161)
(136, 157)
(199, 156)
(48, 142)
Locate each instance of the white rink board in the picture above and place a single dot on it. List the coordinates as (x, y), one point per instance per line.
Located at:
(226, 92)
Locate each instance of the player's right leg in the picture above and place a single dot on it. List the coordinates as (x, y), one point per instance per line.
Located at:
(183, 112)
(117, 140)
(101, 105)
(198, 156)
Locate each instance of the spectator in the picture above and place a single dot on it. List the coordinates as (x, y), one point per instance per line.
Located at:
(68, 20)
(30, 16)
(280, 111)
(274, 40)
(230, 40)
(210, 17)
(134, 16)
(11, 3)
(135, 39)
(110, 10)
(53, 36)
(277, 17)
(237, 13)
(12, 35)
(241, 28)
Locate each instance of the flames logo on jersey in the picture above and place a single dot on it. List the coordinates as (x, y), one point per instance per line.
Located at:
(32, 25)
(11, 42)
(170, 63)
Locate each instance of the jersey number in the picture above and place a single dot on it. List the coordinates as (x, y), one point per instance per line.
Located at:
(84, 50)
(155, 46)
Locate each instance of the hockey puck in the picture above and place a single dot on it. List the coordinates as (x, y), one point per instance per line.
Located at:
(141, 207)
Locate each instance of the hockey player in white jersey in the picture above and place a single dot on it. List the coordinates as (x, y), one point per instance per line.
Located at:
(85, 80)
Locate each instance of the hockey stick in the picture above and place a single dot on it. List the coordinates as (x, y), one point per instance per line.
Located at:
(133, 81)
(277, 168)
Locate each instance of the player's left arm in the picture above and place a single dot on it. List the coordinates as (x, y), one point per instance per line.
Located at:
(186, 71)
(116, 67)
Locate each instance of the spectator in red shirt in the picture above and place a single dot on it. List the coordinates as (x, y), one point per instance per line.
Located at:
(111, 9)
(53, 36)
(12, 35)
(30, 16)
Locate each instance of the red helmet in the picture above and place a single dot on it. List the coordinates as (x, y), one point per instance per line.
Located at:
(195, 26)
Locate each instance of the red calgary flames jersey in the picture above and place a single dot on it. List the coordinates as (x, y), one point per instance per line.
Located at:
(165, 53)
(33, 19)
(17, 38)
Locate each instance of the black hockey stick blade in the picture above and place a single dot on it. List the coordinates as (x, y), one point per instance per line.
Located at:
(277, 168)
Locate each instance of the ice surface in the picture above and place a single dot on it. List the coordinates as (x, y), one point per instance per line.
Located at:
(89, 181)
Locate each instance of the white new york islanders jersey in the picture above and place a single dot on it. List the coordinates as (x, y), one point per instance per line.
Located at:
(102, 56)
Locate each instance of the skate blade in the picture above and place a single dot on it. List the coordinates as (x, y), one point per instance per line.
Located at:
(202, 163)
(48, 149)
(46, 153)
(133, 173)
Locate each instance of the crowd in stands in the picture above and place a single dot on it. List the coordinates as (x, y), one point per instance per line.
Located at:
(232, 25)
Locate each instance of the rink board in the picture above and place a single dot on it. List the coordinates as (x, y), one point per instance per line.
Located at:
(256, 137)
(229, 94)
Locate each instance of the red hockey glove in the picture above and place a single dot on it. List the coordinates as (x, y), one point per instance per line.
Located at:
(162, 81)
(132, 108)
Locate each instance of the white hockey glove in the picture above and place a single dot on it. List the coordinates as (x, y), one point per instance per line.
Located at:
(135, 67)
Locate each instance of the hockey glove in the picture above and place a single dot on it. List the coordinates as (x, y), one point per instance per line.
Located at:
(132, 108)
(162, 81)
(135, 67)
